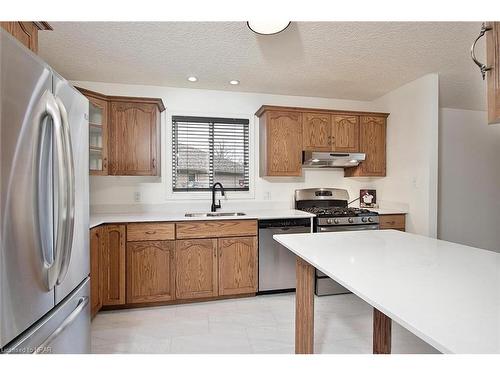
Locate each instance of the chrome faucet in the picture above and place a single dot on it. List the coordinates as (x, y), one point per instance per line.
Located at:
(214, 206)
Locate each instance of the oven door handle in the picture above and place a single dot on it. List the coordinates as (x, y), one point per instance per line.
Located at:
(345, 228)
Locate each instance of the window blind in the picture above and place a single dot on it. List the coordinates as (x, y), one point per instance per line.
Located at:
(206, 150)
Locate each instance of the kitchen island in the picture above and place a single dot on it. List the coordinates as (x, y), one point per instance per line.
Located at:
(445, 293)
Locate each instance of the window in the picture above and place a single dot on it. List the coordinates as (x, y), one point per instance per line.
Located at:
(206, 150)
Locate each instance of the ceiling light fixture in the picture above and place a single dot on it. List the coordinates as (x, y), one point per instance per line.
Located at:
(192, 79)
(234, 82)
(267, 27)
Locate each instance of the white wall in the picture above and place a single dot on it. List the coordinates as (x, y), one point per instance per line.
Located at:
(469, 179)
(112, 190)
(412, 151)
(411, 124)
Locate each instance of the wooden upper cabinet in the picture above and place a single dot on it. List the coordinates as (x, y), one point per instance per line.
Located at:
(113, 264)
(26, 32)
(95, 271)
(316, 132)
(124, 134)
(282, 143)
(150, 271)
(372, 141)
(287, 131)
(196, 268)
(493, 61)
(237, 265)
(345, 133)
(134, 139)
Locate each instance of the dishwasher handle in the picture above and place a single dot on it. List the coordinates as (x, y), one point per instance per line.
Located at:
(284, 223)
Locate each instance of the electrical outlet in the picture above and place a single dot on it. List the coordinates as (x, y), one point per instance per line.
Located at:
(137, 196)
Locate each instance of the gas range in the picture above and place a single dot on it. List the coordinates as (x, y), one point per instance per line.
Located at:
(342, 215)
(333, 215)
(331, 209)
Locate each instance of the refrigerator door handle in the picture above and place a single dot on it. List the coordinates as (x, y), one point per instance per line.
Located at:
(70, 191)
(44, 346)
(47, 107)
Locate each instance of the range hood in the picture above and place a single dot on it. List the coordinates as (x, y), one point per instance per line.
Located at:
(312, 159)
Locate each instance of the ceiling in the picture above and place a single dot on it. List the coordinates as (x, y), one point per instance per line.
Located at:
(344, 60)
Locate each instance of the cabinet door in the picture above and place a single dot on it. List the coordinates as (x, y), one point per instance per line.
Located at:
(393, 221)
(372, 134)
(284, 144)
(196, 268)
(95, 271)
(493, 60)
(134, 139)
(316, 132)
(25, 32)
(150, 271)
(113, 265)
(237, 265)
(98, 136)
(345, 133)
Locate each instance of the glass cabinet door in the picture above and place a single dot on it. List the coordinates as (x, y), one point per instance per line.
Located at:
(98, 159)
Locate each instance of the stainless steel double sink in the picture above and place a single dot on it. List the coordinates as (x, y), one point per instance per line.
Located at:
(214, 214)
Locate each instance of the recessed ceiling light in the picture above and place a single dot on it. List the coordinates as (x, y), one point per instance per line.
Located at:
(234, 82)
(192, 79)
(267, 27)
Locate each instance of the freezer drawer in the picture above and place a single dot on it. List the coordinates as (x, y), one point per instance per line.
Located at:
(64, 330)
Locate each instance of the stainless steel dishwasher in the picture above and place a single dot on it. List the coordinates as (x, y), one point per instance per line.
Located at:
(276, 263)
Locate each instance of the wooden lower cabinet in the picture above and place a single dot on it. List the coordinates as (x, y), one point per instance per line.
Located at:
(237, 259)
(113, 265)
(95, 271)
(393, 221)
(150, 271)
(196, 268)
(143, 263)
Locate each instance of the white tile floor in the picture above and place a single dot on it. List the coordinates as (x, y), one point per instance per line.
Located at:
(263, 324)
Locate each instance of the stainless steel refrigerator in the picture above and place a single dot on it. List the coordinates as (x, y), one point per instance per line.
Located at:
(44, 222)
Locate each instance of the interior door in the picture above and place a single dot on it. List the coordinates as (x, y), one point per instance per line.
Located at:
(76, 266)
(25, 184)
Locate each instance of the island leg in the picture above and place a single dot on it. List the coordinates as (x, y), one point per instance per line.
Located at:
(381, 333)
(304, 308)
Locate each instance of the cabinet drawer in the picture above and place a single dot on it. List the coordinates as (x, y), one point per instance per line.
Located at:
(216, 228)
(392, 221)
(150, 231)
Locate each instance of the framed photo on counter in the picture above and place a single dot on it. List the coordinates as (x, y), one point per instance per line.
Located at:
(368, 198)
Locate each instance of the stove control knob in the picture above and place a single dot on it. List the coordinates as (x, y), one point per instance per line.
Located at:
(370, 220)
(350, 220)
(329, 221)
(336, 221)
(364, 219)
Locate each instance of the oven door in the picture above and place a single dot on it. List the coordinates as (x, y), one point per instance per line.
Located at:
(346, 228)
(343, 228)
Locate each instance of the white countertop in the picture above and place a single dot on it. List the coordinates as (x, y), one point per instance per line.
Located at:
(98, 219)
(445, 293)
